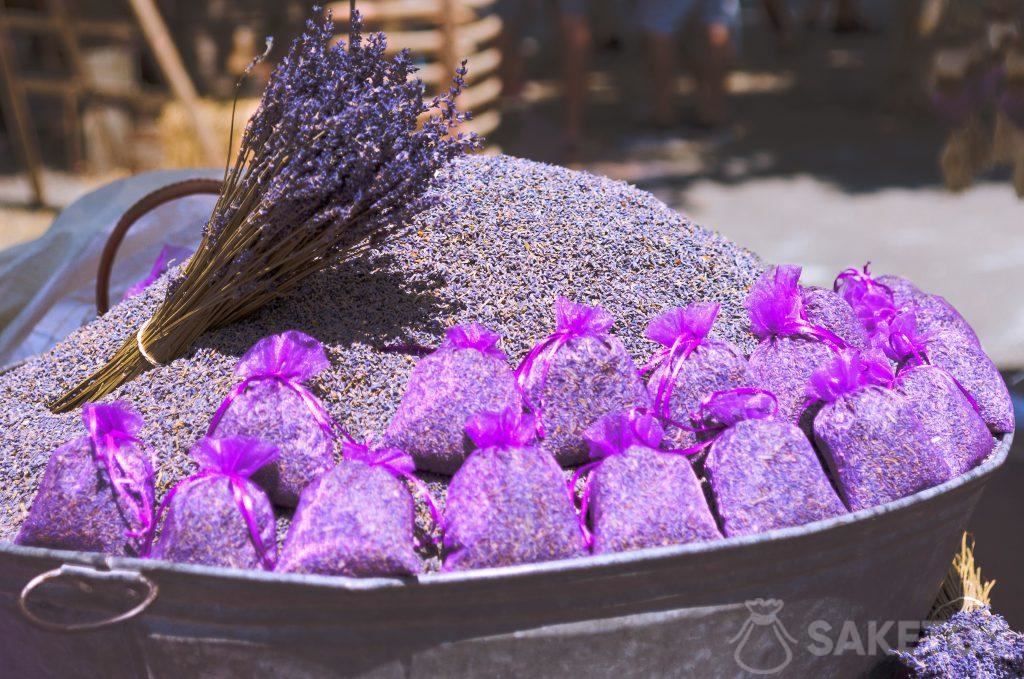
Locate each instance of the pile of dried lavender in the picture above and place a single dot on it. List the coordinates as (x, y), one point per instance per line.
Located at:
(504, 237)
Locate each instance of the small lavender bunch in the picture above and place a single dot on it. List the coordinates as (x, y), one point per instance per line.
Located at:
(972, 643)
(333, 162)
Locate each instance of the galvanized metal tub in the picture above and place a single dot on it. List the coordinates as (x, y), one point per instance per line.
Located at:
(844, 585)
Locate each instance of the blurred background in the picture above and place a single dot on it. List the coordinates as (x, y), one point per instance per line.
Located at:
(821, 132)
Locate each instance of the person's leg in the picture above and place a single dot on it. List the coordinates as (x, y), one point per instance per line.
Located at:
(575, 30)
(720, 25)
(658, 21)
(510, 45)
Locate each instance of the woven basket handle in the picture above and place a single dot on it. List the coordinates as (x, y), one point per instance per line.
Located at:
(150, 201)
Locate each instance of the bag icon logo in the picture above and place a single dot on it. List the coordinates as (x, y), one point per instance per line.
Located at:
(761, 631)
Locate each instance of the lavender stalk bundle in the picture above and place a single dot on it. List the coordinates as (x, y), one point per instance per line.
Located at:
(690, 368)
(870, 434)
(791, 347)
(332, 164)
(467, 374)
(575, 376)
(763, 472)
(508, 504)
(273, 405)
(357, 519)
(638, 496)
(97, 491)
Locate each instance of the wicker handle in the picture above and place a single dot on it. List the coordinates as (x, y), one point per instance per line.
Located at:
(166, 194)
(86, 578)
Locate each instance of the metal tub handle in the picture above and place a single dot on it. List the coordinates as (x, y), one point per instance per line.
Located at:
(84, 575)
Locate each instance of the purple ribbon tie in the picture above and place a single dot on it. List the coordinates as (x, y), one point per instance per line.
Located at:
(112, 429)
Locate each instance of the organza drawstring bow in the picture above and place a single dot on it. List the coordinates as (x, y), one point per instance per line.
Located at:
(235, 458)
(871, 300)
(396, 462)
(474, 336)
(611, 435)
(112, 428)
(776, 308)
(572, 320)
(290, 358)
(847, 371)
(680, 331)
(908, 348)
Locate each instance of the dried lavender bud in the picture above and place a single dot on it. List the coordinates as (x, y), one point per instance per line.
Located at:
(828, 310)
(355, 520)
(446, 271)
(508, 503)
(764, 474)
(219, 517)
(273, 405)
(690, 368)
(576, 376)
(950, 422)
(975, 643)
(969, 365)
(97, 491)
(468, 374)
(639, 496)
(876, 447)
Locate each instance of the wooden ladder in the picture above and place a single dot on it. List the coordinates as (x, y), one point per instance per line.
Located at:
(78, 89)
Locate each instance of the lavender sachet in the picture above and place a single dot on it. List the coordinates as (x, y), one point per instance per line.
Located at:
(357, 519)
(950, 417)
(791, 348)
(827, 309)
(691, 367)
(273, 404)
(575, 376)
(508, 503)
(467, 374)
(636, 495)
(871, 435)
(96, 494)
(219, 516)
(762, 470)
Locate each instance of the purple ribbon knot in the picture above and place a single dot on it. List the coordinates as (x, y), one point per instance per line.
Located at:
(112, 429)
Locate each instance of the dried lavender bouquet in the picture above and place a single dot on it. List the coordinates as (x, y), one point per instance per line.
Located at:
(331, 164)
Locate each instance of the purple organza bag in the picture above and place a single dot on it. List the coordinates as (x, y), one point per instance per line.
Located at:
(870, 434)
(933, 312)
(508, 504)
(272, 404)
(97, 491)
(877, 301)
(575, 376)
(826, 309)
(762, 470)
(791, 348)
(950, 416)
(357, 519)
(467, 374)
(943, 337)
(637, 496)
(690, 368)
(219, 516)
